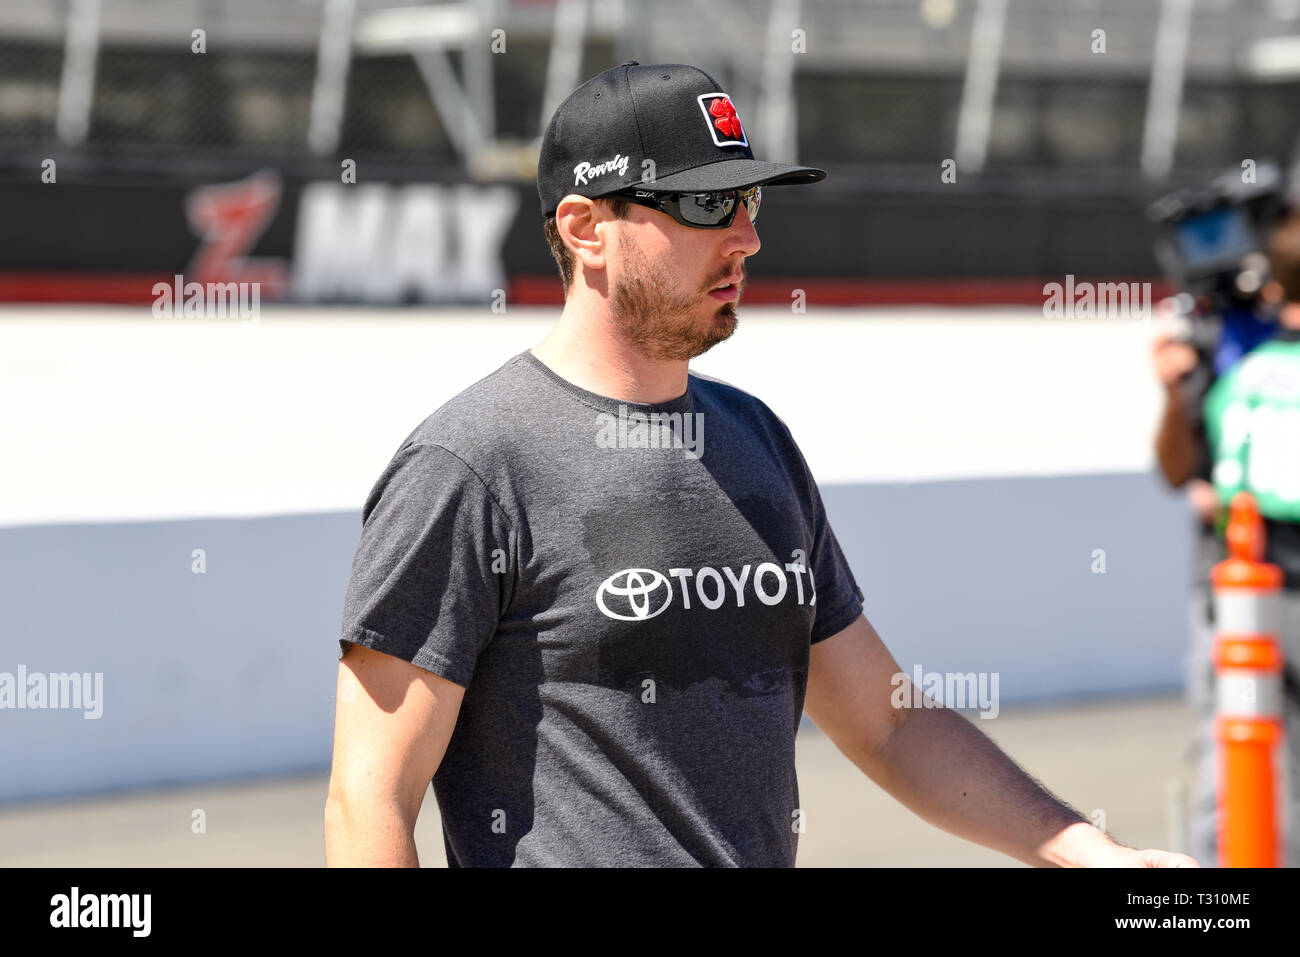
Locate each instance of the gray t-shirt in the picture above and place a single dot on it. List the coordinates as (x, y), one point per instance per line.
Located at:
(628, 592)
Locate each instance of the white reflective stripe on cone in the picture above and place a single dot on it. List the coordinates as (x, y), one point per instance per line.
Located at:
(1247, 611)
(1249, 694)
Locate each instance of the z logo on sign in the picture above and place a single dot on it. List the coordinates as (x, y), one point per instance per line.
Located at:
(229, 218)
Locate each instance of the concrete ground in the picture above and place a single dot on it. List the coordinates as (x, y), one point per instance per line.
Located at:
(1116, 757)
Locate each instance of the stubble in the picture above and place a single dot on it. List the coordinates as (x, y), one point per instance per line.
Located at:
(659, 321)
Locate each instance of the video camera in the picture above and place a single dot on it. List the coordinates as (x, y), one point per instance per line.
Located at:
(1213, 237)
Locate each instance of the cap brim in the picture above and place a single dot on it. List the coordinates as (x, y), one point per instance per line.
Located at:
(734, 174)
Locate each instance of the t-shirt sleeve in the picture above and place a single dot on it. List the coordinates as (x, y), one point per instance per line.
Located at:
(434, 567)
(839, 599)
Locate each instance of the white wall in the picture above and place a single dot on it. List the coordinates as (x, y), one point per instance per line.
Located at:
(971, 461)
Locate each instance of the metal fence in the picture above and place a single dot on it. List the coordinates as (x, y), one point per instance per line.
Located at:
(1150, 85)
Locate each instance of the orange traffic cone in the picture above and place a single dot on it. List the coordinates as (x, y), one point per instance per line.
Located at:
(1248, 725)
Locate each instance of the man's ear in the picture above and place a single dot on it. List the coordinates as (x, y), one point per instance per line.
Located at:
(576, 217)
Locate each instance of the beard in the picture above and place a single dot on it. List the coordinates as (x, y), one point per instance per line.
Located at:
(659, 321)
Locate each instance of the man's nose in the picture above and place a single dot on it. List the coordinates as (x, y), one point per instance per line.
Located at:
(742, 235)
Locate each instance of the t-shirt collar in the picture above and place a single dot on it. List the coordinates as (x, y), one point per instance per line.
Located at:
(605, 403)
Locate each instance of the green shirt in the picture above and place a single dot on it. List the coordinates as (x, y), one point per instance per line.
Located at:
(1252, 419)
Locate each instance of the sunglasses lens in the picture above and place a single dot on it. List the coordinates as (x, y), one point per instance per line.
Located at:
(706, 209)
(715, 209)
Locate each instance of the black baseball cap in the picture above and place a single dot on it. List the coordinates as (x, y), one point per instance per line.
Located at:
(665, 128)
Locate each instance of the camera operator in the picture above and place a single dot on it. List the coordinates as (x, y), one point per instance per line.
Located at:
(1213, 440)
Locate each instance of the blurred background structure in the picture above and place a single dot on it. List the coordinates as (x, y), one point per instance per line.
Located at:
(1081, 109)
(180, 499)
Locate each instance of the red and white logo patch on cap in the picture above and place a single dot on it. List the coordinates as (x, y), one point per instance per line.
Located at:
(724, 124)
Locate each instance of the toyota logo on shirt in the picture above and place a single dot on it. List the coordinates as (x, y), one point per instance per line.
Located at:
(638, 594)
(637, 590)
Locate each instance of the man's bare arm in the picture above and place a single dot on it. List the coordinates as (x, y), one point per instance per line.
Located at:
(942, 767)
(392, 723)
(1175, 444)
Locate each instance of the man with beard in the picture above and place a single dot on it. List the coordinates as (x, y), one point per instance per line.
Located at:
(598, 648)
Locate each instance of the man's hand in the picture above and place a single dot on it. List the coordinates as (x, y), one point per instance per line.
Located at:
(1171, 358)
(1154, 858)
(1203, 499)
(1082, 845)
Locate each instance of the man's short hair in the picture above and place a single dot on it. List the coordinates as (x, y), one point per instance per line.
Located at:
(1284, 255)
(562, 253)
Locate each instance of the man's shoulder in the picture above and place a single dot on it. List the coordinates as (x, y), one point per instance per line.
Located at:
(478, 416)
(491, 422)
(725, 393)
(466, 440)
(745, 406)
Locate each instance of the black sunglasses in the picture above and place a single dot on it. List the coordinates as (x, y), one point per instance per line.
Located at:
(700, 210)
